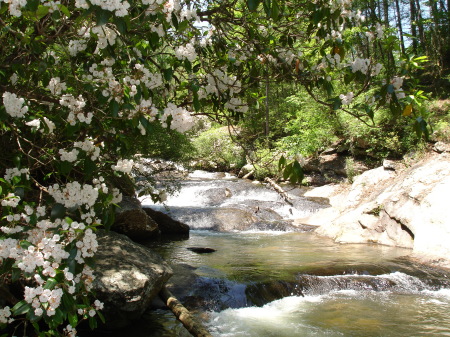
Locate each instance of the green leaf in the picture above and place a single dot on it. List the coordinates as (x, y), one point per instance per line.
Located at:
(114, 108)
(42, 11)
(297, 172)
(89, 167)
(154, 39)
(73, 319)
(102, 318)
(287, 171)
(58, 211)
(15, 274)
(187, 66)
(25, 244)
(183, 25)
(102, 16)
(281, 163)
(168, 73)
(21, 307)
(20, 192)
(253, 4)
(50, 283)
(16, 161)
(197, 105)
(121, 24)
(65, 167)
(69, 305)
(390, 89)
(92, 323)
(65, 10)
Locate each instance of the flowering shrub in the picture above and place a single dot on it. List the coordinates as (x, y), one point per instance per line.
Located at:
(81, 80)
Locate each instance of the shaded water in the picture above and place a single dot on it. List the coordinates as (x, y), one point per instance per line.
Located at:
(269, 283)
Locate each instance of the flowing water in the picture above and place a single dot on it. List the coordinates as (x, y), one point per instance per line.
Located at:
(265, 282)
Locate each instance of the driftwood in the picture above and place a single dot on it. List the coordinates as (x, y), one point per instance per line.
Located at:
(195, 328)
(279, 190)
(248, 175)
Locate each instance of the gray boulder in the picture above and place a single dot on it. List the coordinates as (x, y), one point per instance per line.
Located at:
(133, 221)
(167, 225)
(128, 277)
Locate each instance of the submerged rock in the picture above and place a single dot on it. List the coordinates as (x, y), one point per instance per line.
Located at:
(128, 277)
(201, 250)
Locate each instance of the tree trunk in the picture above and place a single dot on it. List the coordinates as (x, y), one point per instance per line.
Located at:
(400, 26)
(423, 45)
(386, 12)
(413, 20)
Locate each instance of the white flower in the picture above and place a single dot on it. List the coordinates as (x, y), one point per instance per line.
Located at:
(13, 105)
(13, 79)
(186, 52)
(56, 86)
(123, 165)
(70, 156)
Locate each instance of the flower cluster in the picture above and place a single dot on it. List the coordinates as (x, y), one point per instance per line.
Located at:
(123, 165)
(89, 147)
(10, 173)
(361, 65)
(397, 83)
(186, 52)
(36, 124)
(74, 194)
(106, 36)
(11, 200)
(75, 106)
(43, 299)
(5, 313)
(56, 87)
(70, 156)
(181, 119)
(346, 99)
(14, 105)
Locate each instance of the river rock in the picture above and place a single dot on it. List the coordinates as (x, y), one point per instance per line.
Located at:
(166, 224)
(128, 277)
(406, 208)
(233, 219)
(441, 147)
(133, 221)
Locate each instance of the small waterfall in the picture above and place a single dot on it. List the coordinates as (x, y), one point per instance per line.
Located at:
(397, 282)
(221, 202)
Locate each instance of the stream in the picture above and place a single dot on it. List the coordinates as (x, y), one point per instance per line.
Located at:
(268, 278)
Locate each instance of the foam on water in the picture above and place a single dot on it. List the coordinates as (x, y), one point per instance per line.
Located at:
(340, 313)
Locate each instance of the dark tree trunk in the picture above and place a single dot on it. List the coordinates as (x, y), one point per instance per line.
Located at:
(400, 26)
(413, 20)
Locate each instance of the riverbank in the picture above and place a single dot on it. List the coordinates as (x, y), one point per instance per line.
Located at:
(403, 204)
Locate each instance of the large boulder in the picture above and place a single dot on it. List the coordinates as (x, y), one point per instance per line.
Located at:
(407, 207)
(128, 277)
(167, 225)
(133, 221)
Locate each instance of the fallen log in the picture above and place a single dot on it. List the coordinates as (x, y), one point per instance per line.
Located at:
(195, 328)
(248, 175)
(279, 190)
